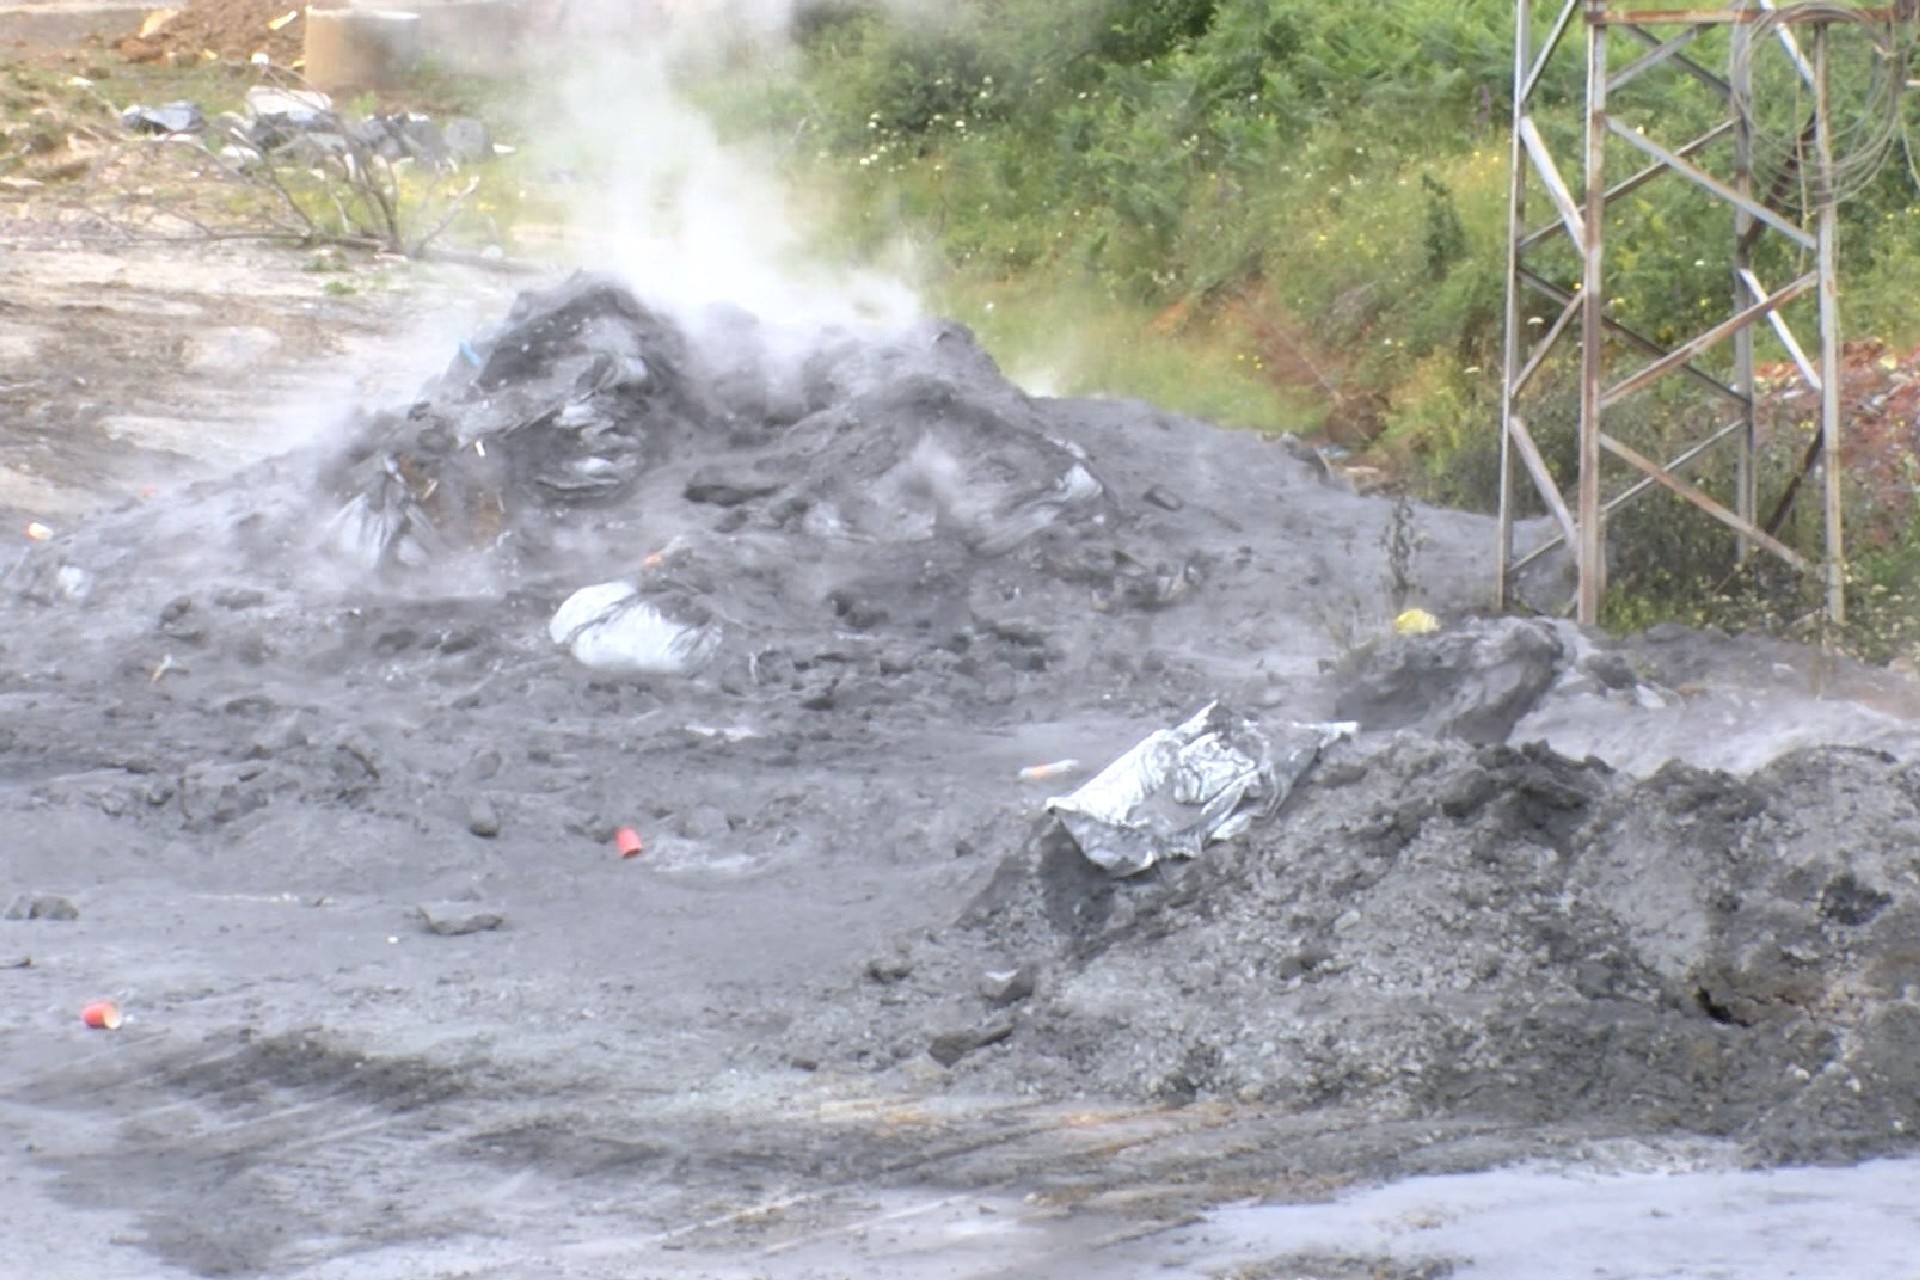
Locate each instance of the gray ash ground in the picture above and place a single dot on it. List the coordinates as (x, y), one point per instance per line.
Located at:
(252, 729)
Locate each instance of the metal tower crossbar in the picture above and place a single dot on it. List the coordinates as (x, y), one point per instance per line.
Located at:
(1580, 215)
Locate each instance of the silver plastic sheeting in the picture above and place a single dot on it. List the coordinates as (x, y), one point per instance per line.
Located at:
(1184, 788)
(609, 626)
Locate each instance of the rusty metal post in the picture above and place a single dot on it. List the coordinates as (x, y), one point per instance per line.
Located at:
(1746, 498)
(1827, 232)
(1591, 553)
(1510, 362)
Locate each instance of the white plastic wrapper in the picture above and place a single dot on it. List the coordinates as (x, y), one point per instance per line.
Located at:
(1184, 788)
(610, 626)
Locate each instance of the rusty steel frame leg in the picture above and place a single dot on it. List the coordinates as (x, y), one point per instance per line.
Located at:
(1590, 556)
(1746, 499)
(1828, 232)
(1511, 361)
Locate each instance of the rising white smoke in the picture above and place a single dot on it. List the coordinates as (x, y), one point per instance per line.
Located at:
(691, 222)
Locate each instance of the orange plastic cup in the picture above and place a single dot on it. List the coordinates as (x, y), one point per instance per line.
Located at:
(102, 1015)
(628, 842)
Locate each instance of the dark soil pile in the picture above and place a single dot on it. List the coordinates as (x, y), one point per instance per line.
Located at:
(233, 30)
(1438, 930)
(1441, 925)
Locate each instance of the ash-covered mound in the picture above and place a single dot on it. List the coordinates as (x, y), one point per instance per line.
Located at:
(830, 524)
(859, 513)
(585, 393)
(1438, 930)
(895, 499)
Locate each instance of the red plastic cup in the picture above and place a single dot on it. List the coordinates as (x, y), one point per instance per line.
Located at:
(102, 1015)
(628, 842)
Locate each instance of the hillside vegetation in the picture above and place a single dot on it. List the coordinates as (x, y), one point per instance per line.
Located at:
(1290, 214)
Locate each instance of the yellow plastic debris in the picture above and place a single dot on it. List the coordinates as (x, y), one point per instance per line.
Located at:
(1416, 622)
(290, 16)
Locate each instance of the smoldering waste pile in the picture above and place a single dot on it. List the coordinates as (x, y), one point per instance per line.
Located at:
(871, 544)
(856, 524)
(841, 522)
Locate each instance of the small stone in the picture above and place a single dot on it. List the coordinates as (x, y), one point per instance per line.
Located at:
(1007, 987)
(1165, 499)
(177, 621)
(819, 692)
(949, 1047)
(16, 962)
(452, 919)
(459, 640)
(888, 970)
(483, 819)
(41, 906)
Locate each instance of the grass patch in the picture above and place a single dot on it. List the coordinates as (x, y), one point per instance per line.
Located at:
(1064, 337)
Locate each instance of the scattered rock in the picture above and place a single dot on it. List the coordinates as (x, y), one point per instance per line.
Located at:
(16, 962)
(1008, 986)
(177, 621)
(453, 919)
(41, 906)
(888, 970)
(175, 117)
(949, 1047)
(1164, 498)
(290, 108)
(1473, 682)
(483, 819)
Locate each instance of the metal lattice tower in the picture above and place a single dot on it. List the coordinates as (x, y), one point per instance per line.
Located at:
(1664, 37)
